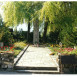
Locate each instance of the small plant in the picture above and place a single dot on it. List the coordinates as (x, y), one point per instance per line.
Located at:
(20, 44)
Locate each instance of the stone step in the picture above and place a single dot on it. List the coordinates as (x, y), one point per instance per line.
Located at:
(39, 71)
(34, 68)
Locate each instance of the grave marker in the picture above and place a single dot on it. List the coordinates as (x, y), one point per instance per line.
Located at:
(60, 44)
(1, 44)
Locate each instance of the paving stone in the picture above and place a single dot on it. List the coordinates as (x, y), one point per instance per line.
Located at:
(37, 57)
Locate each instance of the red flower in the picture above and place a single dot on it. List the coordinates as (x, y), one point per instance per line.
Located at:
(11, 48)
(4, 48)
(54, 49)
(59, 51)
(1, 47)
(13, 45)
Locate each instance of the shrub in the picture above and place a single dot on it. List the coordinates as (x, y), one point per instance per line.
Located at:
(5, 34)
(7, 38)
(20, 44)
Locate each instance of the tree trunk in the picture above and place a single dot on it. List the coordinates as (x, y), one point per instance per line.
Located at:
(45, 32)
(28, 33)
(36, 32)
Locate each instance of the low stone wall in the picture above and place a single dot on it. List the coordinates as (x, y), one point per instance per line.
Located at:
(7, 60)
(67, 61)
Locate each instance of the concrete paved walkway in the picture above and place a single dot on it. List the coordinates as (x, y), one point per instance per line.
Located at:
(37, 57)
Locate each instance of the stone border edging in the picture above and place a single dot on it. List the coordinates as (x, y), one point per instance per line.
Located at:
(20, 55)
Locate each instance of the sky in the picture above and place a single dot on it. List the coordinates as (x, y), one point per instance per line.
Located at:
(24, 27)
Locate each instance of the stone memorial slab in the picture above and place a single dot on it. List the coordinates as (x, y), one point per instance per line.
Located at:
(1, 44)
(60, 44)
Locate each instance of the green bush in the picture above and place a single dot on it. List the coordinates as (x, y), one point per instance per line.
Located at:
(6, 38)
(16, 52)
(18, 46)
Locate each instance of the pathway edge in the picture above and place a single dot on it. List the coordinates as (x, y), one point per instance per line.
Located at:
(20, 55)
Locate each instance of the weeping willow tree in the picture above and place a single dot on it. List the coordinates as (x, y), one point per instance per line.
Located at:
(66, 23)
(16, 13)
(37, 7)
(63, 16)
(47, 14)
(1, 28)
(58, 16)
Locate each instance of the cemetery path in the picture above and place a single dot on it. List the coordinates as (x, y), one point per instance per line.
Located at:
(37, 57)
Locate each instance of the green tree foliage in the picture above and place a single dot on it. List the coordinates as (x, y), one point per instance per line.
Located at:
(5, 34)
(20, 11)
(1, 31)
(7, 37)
(63, 16)
(16, 13)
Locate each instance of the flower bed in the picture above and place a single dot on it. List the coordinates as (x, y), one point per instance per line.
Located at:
(7, 54)
(6, 57)
(6, 49)
(65, 51)
(66, 56)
